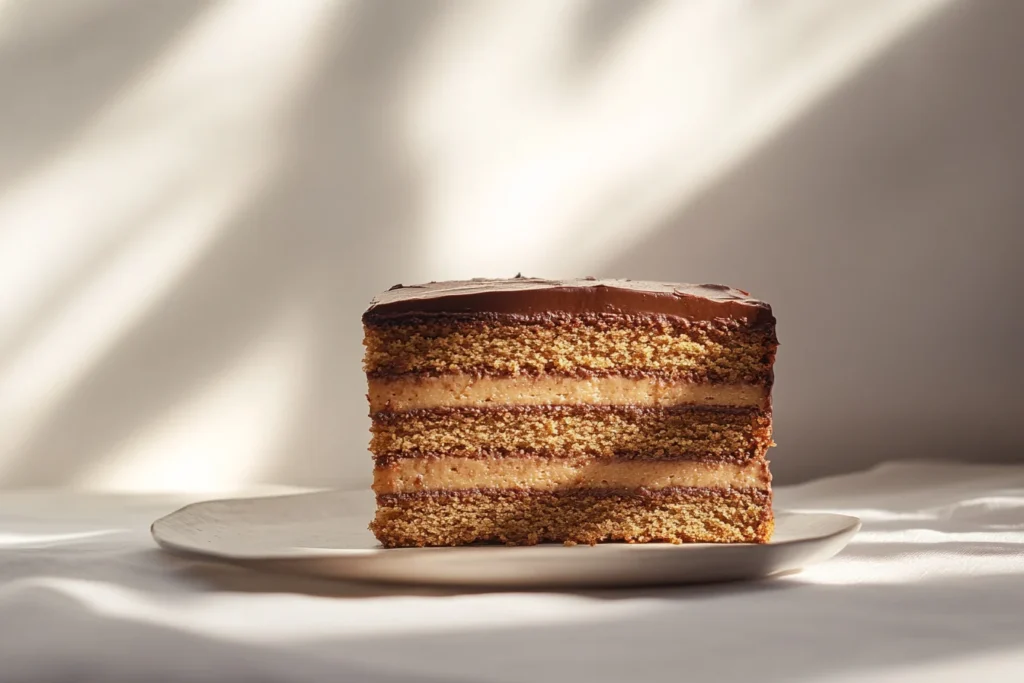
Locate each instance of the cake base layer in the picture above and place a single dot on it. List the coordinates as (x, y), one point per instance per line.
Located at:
(587, 516)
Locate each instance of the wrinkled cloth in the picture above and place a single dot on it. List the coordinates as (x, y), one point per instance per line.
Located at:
(931, 589)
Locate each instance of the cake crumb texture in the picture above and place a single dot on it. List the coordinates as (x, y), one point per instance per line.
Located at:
(569, 431)
(573, 517)
(718, 351)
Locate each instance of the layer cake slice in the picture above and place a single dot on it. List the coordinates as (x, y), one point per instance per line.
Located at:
(524, 411)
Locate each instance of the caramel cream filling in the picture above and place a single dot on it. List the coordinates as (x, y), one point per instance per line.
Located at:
(540, 474)
(461, 390)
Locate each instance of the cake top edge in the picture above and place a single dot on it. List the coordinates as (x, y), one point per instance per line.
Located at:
(533, 296)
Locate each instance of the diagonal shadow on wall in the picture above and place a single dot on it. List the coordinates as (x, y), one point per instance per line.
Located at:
(884, 227)
(343, 190)
(62, 65)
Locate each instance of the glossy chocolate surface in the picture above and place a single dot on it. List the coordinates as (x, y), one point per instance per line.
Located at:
(523, 296)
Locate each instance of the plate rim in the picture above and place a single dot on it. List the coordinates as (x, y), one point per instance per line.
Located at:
(851, 526)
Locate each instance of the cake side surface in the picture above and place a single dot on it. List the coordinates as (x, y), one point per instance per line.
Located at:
(504, 411)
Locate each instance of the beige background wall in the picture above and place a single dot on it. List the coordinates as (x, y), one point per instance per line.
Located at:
(197, 200)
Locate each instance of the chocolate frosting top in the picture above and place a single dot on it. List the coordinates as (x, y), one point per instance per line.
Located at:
(533, 296)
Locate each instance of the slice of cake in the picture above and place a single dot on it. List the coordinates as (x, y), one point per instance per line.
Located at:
(579, 411)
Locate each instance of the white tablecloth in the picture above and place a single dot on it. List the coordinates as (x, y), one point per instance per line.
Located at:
(932, 589)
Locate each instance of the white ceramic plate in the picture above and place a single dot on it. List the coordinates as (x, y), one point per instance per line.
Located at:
(324, 534)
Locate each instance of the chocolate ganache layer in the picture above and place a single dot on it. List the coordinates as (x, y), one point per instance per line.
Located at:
(529, 297)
